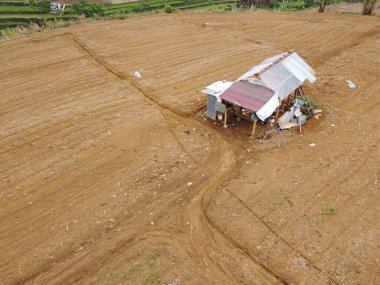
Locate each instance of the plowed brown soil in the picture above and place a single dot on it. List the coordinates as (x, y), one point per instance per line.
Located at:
(111, 179)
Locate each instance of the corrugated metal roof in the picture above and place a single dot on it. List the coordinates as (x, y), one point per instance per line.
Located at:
(264, 65)
(247, 95)
(216, 88)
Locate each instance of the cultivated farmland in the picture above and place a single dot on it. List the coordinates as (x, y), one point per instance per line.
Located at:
(107, 178)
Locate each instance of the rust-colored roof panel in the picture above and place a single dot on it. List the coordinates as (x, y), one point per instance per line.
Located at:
(247, 95)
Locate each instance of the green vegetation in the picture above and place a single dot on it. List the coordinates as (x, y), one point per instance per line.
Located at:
(25, 13)
(168, 9)
(152, 259)
(146, 271)
(215, 7)
(83, 7)
(152, 279)
(291, 5)
(329, 210)
(40, 5)
(313, 104)
(20, 13)
(368, 7)
(17, 9)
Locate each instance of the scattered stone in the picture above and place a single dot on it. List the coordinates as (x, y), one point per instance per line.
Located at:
(137, 74)
(351, 84)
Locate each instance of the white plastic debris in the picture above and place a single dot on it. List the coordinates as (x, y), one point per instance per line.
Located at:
(285, 120)
(351, 84)
(312, 144)
(189, 183)
(137, 74)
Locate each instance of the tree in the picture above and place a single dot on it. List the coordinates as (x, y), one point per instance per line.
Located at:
(368, 6)
(322, 6)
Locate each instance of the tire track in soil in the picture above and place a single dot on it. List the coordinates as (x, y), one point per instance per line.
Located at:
(161, 107)
(201, 201)
(242, 248)
(279, 236)
(133, 86)
(197, 213)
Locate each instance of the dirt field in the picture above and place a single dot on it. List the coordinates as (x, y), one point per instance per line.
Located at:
(111, 179)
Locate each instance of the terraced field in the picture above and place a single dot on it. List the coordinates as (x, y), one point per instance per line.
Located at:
(111, 179)
(19, 13)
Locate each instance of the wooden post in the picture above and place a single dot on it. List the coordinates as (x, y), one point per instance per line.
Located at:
(254, 128)
(277, 113)
(299, 120)
(225, 119)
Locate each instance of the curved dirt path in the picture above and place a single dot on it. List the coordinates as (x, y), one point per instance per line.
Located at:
(220, 169)
(109, 179)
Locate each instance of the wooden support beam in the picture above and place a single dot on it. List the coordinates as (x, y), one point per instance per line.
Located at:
(277, 113)
(254, 128)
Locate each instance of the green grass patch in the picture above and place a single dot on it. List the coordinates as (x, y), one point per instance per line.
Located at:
(17, 8)
(10, 24)
(208, 6)
(6, 1)
(36, 16)
(14, 3)
(329, 210)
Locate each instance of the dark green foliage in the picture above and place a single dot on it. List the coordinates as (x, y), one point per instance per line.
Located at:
(227, 7)
(41, 5)
(142, 7)
(168, 9)
(94, 10)
(78, 7)
(281, 5)
(311, 3)
(291, 5)
(83, 7)
(329, 210)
